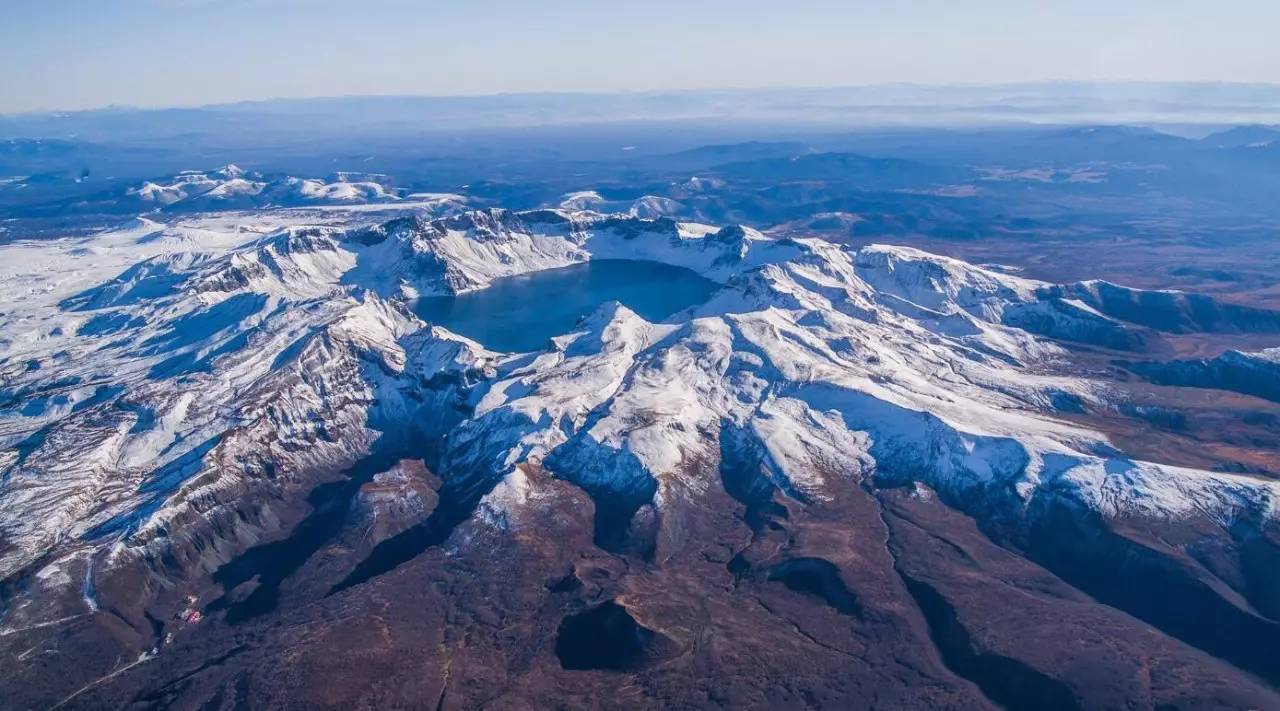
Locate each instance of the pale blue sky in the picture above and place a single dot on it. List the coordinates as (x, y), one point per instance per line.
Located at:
(66, 54)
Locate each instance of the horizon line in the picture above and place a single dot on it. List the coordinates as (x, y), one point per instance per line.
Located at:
(641, 92)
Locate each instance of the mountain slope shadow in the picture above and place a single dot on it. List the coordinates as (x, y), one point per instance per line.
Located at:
(606, 637)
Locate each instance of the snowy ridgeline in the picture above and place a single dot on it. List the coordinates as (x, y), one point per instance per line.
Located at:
(232, 187)
(155, 374)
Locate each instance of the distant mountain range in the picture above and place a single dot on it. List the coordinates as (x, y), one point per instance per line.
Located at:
(858, 107)
(1245, 137)
(231, 187)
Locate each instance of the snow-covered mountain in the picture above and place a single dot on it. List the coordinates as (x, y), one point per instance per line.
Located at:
(649, 207)
(158, 425)
(231, 187)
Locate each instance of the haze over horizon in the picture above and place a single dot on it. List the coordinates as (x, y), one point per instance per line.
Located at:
(901, 88)
(69, 54)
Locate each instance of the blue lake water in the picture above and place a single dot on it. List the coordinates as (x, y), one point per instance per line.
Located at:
(520, 313)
